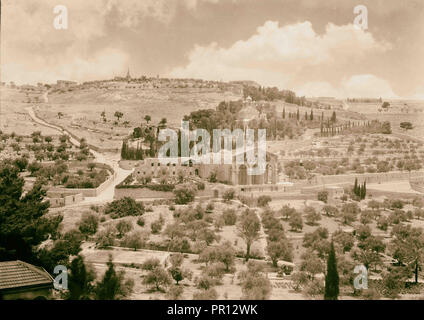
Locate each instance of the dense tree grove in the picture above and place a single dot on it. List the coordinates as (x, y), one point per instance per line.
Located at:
(129, 153)
(23, 224)
(271, 94)
(360, 190)
(124, 207)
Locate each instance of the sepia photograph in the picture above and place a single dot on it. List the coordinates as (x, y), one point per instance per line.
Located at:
(234, 151)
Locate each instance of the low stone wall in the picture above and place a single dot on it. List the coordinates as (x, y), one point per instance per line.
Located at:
(368, 177)
(146, 193)
(278, 195)
(72, 164)
(390, 194)
(417, 185)
(61, 200)
(92, 192)
(128, 164)
(56, 202)
(407, 137)
(265, 188)
(141, 193)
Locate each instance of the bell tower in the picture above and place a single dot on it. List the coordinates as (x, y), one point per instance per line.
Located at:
(128, 77)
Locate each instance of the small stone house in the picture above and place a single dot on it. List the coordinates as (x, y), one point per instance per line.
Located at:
(22, 281)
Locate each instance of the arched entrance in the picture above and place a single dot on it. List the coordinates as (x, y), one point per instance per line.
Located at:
(242, 175)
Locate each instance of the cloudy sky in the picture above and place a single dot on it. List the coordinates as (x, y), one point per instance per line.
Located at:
(308, 46)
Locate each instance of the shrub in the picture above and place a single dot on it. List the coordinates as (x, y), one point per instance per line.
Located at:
(396, 204)
(212, 177)
(228, 194)
(255, 285)
(215, 270)
(296, 222)
(135, 240)
(95, 208)
(88, 224)
(393, 282)
(199, 212)
(263, 201)
(279, 250)
(323, 196)
(370, 294)
(157, 276)
(175, 292)
(106, 238)
(205, 282)
(124, 207)
(184, 194)
(123, 227)
(140, 222)
(299, 280)
(157, 225)
(210, 207)
(209, 294)
(311, 216)
(314, 288)
(230, 217)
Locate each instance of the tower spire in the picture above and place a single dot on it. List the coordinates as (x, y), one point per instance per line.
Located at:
(128, 74)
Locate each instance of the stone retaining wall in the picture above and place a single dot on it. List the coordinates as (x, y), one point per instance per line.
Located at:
(368, 177)
(93, 192)
(60, 200)
(146, 193)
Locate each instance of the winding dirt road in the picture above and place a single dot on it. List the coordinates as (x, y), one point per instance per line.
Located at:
(110, 159)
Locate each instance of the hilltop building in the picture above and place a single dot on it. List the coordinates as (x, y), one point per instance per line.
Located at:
(128, 76)
(66, 84)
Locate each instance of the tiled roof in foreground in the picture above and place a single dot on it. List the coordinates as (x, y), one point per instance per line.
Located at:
(18, 274)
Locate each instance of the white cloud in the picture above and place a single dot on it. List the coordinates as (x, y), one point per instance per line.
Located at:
(356, 86)
(29, 42)
(132, 11)
(277, 55)
(103, 65)
(417, 93)
(366, 85)
(317, 89)
(32, 50)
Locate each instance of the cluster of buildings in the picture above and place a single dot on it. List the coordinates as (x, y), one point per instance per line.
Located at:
(129, 82)
(234, 174)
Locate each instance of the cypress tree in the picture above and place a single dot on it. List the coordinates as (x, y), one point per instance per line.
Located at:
(312, 115)
(80, 279)
(110, 286)
(123, 149)
(284, 113)
(364, 190)
(355, 187)
(297, 115)
(332, 277)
